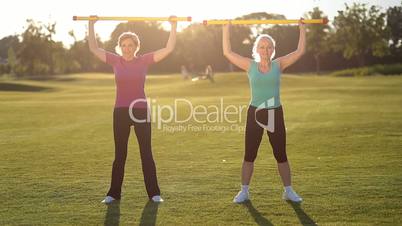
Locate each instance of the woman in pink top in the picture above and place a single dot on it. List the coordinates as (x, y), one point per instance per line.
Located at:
(131, 109)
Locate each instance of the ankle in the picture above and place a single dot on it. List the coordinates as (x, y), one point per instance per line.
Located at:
(245, 187)
(288, 188)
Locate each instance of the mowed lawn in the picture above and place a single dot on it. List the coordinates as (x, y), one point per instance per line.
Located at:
(344, 144)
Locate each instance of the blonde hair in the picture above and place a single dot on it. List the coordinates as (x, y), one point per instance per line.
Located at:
(256, 56)
(127, 35)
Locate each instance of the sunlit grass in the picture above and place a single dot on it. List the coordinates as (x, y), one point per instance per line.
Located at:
(344, 144)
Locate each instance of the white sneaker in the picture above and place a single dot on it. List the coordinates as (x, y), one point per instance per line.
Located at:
(157, 198)
(242, 196)
(108, 200)
(292, 196)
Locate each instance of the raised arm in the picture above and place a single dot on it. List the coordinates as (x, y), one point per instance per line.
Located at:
(162, 53)
(234, 58)
(291, 58)
(93, 45)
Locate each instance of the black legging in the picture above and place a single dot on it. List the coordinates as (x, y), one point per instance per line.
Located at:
(254, 134)
(121, 128)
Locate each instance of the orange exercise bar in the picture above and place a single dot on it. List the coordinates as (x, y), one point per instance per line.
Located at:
(121, 18)
(249, 22)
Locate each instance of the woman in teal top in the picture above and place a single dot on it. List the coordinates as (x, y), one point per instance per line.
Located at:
(265, 110)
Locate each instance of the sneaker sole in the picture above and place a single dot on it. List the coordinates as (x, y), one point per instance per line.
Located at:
(234, 201)
(287, 199)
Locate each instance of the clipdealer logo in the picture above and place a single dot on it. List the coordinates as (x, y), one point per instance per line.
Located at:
(182, 115)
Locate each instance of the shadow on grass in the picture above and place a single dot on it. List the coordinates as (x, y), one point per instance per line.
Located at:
(304, 219)
(258, 217)
(148, 216)
(112, 217)
(4, 86)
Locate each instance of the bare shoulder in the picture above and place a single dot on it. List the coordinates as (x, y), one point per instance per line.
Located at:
(280, 62)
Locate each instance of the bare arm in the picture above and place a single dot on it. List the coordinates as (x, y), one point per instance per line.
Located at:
(291, 58)
(236, 59)
(93, 45)
(162, 53)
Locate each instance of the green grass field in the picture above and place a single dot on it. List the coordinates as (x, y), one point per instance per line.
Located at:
(344, 145)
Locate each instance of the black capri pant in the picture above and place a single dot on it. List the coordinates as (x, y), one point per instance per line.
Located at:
(254, 134)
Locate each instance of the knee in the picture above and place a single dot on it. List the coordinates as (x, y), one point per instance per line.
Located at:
(281, 160)
(248, 157)
(119, 161)
(148, 161)
(280, 156)
(248, 164)
(146, 154)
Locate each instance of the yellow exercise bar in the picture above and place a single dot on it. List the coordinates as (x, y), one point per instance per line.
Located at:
(121, 18)
(248, 22)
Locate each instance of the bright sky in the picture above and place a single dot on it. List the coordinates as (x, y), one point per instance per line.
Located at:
(15, 12)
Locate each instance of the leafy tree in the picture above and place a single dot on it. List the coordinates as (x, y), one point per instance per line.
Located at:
(394, 24)
(6, 43)
(82, 59)
(360, 31)
(34, 53)
(39, 54)
(198, 46)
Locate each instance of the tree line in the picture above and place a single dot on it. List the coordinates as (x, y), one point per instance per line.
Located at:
(359, 35)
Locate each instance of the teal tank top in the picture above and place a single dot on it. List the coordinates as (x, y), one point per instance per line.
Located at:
(265, 86)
